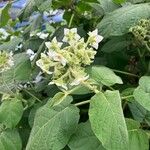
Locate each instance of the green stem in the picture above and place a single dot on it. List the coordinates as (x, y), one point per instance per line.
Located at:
(126, 73)
(127, 97)
(32, 95)
(38, 53)
(148, 48)
(71, 19)
(88, 101)
(82, 103)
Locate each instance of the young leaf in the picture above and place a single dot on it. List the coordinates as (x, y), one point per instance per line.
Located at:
(139, 113)
(4, 15)
(107, 120)
(10, 140)
(108, 5)
(11, 112)
(116, 44)
(84, 139)
(119, 1)
(20, 72)
(53, 126)
(119, 21)
(138, 139)
(104, 75)
(142, 92)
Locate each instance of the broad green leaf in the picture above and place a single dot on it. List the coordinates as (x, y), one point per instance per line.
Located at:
(119, 1)
(142, 92)
(84, 139)
(104, 75)
(80, 90)
(97, 9)
(107, 120)
(43, 5)
(11, 111)
(119, 21)
(59, 98)
(11, 45)
(139, 113)
(108, 5)
(138, 139)
(10, 140)
(116, 44)
(28, 9)
(4, 14)
(53, 126)
(20, 72)
(33, 112)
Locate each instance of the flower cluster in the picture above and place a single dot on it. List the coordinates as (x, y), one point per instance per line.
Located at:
(3, 34)
(6, 61)
(142, 32)
(66, 60)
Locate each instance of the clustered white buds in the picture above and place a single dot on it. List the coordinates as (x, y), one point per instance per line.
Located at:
(66, 60)
(3, 34)
(6, 61)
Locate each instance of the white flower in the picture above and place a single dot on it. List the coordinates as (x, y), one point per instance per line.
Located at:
(64, 86)
(42, 35)
(57, 57)
(11, 60)
(54, 44)
(6, 61)
(70, 36)
(79, 80)
(94, 38)
(19, 46)
(44, 66)
(32, 34)
(38, 78)
(31, 54)
(3, 34)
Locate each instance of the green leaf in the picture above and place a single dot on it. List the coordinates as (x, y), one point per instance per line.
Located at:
(107, 120)
(142, 92)
(84, 139)
(43, 5)
(4, 14)
(138, 139)
(138, 112)
(116, 44)
(10, 140)
(53, 126)
(119, 21)
(20, 72)
(11, 45)
(108, 5)
(104, 75)
(11, 111)
(80, 90)
(119, 1)
(59, 98)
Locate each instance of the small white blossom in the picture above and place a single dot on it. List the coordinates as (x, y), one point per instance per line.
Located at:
(94, 38)
(3, 34)
(31, 54)
(79, 80)
(70, 36)
(42, 35)
(54, 44)
(38, 78)
(6, 61)
(40, 63)
(57, 57)
(11, 60)
(64, 86)
(18, 47)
